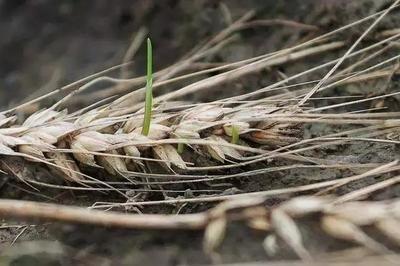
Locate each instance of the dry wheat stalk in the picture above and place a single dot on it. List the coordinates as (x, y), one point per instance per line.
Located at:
(114, 143)
(344, 221)
(98, 140)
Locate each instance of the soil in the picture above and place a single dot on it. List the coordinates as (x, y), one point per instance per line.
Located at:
(63, 41)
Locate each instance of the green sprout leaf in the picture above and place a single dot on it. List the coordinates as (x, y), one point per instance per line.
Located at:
(148, 106)
(180, 148)
(235, 135)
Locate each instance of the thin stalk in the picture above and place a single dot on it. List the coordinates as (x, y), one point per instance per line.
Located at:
(149, 90)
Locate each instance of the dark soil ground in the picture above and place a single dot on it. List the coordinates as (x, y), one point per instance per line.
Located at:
(46, 44)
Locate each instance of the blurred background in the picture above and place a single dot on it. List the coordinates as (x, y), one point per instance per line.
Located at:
(46, 44)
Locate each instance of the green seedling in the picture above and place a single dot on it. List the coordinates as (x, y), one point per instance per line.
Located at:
(235, 135)
(148, 106)
(180, 148)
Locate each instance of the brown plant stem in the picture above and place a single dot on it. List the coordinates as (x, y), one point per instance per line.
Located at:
(54, 212)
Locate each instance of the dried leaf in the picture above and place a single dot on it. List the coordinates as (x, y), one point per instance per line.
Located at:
(18, 130)
(132, 151)
(59, 129)
(140, 138)
(156, 132)
(207, 113)
(271, 138)
(4, 150)
(92, 141)
(185, 134)
(228, 151)
(216, 152)
(287, 229)
(169, 155)
(68, 168)
(345, 230)
(113, 164)
(390, 227)
(11, 141)
(394, 209)
(7, 120)
(270, 245)
(237, 203)
(214, 234)
(160, 153)
(87, 118)
(132, 124)
(259, 223)
(193, 125)
(174, 157)
(254, 112)
(360, 212)
(301, 206)
(41, 135)
(41, 117)
(82, 154)
(32, 151)
(37, 143)
(280, 126)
